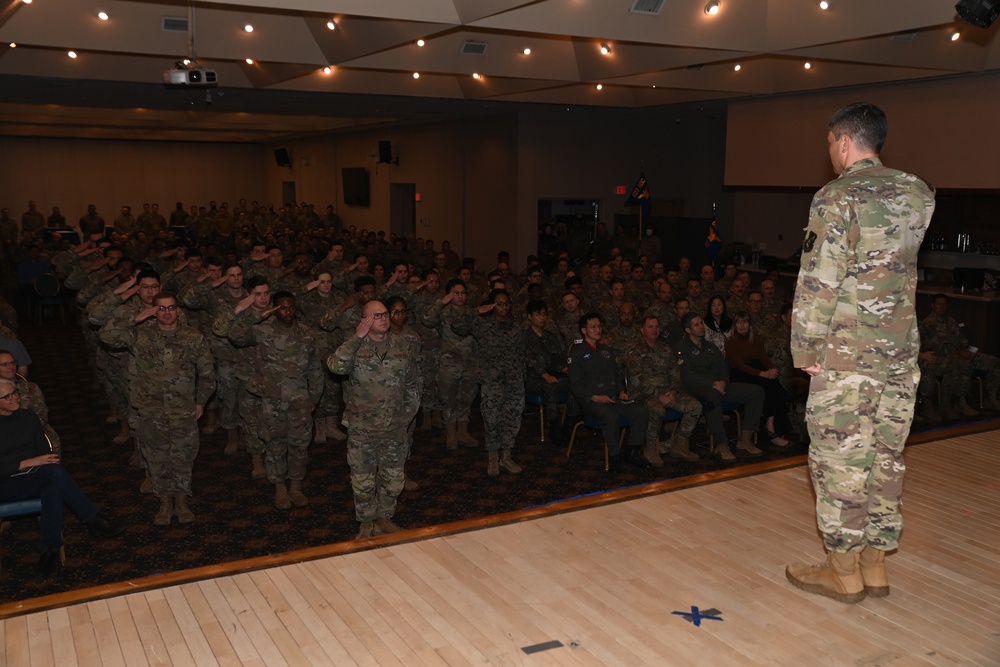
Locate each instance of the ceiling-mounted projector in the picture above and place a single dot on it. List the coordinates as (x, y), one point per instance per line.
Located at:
(189, 75)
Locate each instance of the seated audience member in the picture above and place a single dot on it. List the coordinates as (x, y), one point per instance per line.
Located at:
(655, 379)
(945, 353)
(597, 382)
(718, 324)
(31, 397)
(749, 363)
(704, 375)
(29, 469)
(793, 380)
(545, 370)
(17, 350)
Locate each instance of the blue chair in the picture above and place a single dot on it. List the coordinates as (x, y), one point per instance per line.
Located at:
(48, 291)
(537, 400)
(596, 424)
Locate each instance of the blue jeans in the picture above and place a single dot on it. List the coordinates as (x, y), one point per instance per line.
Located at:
(54, 486)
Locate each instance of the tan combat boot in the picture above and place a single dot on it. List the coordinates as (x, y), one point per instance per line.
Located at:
(162, 517)
(333, 430)
(366, 530)
(724, 453)
(281, 499)
(211, 419)
(258, 471)
(123, 434)
(232, 441)
(385, 526)
(873, 572)
(681, 449)
(929, 411)
(147, 484)
(950, 409)
(451, 436)
(319, 428)
(184, 514)
(966, 409)
(507, 463)
(745, 444)
(652, 454)
(295, 494)
(838, 577)
(493, 463)
(463, 435)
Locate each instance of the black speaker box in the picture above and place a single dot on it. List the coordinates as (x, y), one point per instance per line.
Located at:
(282, 158)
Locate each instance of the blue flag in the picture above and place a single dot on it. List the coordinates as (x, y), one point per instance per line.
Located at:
(713, 242)
(640, 195)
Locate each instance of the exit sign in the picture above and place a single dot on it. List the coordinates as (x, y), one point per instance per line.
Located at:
(619, 189)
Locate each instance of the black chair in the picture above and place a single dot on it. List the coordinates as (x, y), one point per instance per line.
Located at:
(49, 295)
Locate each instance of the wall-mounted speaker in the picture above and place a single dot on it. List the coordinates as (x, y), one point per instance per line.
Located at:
(384, 152)
(282, 158)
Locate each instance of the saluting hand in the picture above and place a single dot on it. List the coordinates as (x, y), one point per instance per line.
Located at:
(124, 287)
(364, 326)
(486, 307)
(244, 303)
(311, 286)
(145, 314)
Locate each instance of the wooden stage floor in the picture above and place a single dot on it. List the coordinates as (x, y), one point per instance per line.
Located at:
(601, 586)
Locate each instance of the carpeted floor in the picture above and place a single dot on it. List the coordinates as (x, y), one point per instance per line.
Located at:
(236, 517)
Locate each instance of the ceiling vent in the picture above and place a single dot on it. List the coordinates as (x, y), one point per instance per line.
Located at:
(904, 36)
(471, 48)
(651, 7)
(695, 68)
(175, 24)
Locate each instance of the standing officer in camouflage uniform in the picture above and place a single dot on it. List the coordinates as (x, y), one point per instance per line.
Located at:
(854, 331)
(288, 380)
(383, 399)
(501, 351)
(458, 372)
(655, 379)
(172, 378)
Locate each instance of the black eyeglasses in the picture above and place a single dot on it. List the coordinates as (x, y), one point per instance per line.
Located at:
(7, 397)
(171, 309)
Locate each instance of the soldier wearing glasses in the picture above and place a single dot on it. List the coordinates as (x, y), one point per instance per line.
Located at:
(172, 377)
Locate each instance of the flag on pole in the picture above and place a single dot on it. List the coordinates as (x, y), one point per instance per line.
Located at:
(640, 195)
(713, 241)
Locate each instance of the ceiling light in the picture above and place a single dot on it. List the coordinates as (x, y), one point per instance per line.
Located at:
(712, 8)
(102, 15)
(71, 54)
(13, 45)
(327, 70)
(955, 35)
(420, 42)
(477, 75)
(186, 61)
(808, 65)
(416, 75)
(605, 49)
(599, 86)
(526, 51)
(27, 2)
(737, 67)
(330, 25)
(249, 61)
(248, 27)
(824, 5)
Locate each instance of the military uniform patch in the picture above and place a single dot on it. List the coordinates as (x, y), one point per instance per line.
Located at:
(810, 241)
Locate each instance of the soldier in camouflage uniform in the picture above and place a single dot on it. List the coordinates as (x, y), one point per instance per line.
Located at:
(288, 380)
(383, 399)
(653, 377)
(945, 353)
(501, 349)
(568, 321)
(31, 397)
(430, 346)
(318, 301)
(216, 299)
(172, 378)
(854, 331)
(458, 372)
(545, 368)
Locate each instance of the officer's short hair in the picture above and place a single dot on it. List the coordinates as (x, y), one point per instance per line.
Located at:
(650, 317)
(584, 319)
(688, 319)
(392, 301)
(864, 123)
(255, 282)
(146, 273)
(164, 294)
(572, 281)
(454, 282)
(283, 294)
(400, 262)
(364, 281)
(535, 306)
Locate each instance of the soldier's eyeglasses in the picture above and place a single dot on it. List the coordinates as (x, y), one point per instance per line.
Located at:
(13, 394)
(503, 304)
(8, 363)
(167, 308)
(381, 316)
